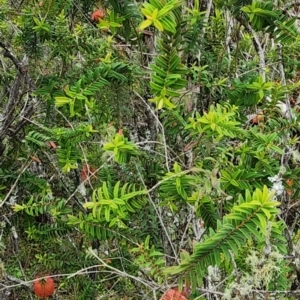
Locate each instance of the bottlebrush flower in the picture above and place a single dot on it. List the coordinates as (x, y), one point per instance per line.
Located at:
(97, 15)
(44, 287)
(173, 294)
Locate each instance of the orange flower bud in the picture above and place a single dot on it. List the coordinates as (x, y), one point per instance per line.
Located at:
(97, 15)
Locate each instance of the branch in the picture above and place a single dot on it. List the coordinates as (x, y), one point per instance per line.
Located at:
(260, 51)
(285, 107)
(14, 94)
(15, 183)
(7, 53)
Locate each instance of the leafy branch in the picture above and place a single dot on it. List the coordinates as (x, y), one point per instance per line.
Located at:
(248, 220)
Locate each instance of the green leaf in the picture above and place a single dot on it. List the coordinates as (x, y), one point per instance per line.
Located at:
(263, 223)
(107, 213)
(116, 189)
(158, 25)
(145, 24)
(156, 253)
(61, 101)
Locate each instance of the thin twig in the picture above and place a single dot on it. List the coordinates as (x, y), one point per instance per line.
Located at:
(15, 183)
(161, 127)
(151, 285)
(159, 217)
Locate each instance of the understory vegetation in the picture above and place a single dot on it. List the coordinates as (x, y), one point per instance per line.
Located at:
(150, 149)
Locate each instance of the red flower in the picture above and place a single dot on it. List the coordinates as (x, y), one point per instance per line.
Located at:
(97, 15)
(44, 288)
(173, 294)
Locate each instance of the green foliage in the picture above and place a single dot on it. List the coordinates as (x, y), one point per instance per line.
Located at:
(150, 259)
(127, 12)
(97, 184)
(177, 184)
(219, 122)
(166, 81)
(122, 148)
(261, 14)
(35, 207)
(250, 213)
(80, 96)
(205, 209)
(111, 208)
(114, 204)
(158, 14)
(37, 139)
(285, 30)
